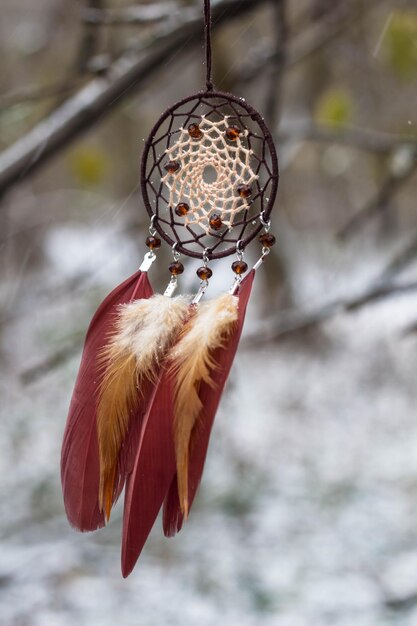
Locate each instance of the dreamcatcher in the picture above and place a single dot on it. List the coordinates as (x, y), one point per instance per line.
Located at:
(154, 366)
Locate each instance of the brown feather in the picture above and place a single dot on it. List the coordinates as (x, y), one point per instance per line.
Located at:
(192, 363)
(145, 330)
(118, 398)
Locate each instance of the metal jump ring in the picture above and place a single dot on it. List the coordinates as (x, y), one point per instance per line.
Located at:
(239, 251)
(175, 254)
(206, 257)
(152, 229)
(265, 223)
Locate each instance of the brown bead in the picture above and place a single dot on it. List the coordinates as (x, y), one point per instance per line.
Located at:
(153, 243)
(195, 131)
(176, 268)
(216, 221)
(172, 166)
(244, 191)
(239, 267)
(232, 132)
(204, 273)
(182, 209)
(267, 240)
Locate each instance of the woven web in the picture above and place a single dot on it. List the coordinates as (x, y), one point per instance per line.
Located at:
(229, 164)
(249, 160)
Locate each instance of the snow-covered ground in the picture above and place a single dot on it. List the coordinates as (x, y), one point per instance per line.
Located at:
(307, 511)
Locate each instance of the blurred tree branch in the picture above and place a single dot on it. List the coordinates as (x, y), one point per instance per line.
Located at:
(362, 139)
(274, 94)
(297, 321)
(102, 94)
(89, 40)
(33, 94)
(401, 260)
(130, 16)
(129, 72)
(285, 325)
(54, 361)
(308, 41)
(380, 202)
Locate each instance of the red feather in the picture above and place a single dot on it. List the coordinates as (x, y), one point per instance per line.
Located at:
(173, 518)
(79, 455)
(154, 467)
(153, 478)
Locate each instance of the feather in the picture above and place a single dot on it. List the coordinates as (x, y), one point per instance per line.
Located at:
(210, 398)
(145, 330)
(79, 454)
(192, 364)
(152, 473)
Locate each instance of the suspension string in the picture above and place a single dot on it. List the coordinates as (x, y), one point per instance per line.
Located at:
(207, 25)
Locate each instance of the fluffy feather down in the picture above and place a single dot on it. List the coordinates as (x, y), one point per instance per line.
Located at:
(191, 364)
(145, 330)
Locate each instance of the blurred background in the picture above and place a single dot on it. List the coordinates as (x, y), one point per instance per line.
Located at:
(307, 511)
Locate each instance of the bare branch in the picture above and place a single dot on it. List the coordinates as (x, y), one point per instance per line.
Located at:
(400, 262)
(394, 181)
(128, 74)
(131, 16)
(89, 40)
(310, 40)
(32, 94)
(274, 95)
(285, 325)
(299, 321)
(103, 94)
(61, 356)
(360, 138)
(411, 329)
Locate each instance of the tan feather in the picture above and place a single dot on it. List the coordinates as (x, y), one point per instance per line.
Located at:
(145, 330)
(192, 363)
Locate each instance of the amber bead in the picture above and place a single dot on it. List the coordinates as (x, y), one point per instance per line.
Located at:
(267, 240)
(232, 132)
(244, 191)
(216, 221)
(172, 166)
(153, 243)
(176, 268)
(195, 131)
(182, 209)
(239, 267)
(204, 273)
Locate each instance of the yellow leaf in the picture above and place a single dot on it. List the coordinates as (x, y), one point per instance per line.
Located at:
(401, 44)
(334, 107)
(88, 164)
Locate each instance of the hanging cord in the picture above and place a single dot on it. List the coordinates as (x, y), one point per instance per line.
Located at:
(207, 24)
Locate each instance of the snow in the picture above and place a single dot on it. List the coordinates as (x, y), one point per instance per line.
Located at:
(306, 514)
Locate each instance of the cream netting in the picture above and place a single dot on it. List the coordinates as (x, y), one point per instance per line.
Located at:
(231, 162)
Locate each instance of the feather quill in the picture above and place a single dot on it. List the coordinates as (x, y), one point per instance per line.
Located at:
(192, 363)
(145, 330)
(79, 454)
(210, 398)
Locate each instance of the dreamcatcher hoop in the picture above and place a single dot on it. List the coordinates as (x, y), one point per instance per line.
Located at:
(258, 166)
